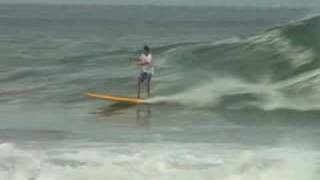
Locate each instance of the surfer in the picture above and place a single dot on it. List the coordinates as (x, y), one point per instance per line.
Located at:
(145, 64)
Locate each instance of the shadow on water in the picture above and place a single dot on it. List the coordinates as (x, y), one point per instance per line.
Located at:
(122, 113)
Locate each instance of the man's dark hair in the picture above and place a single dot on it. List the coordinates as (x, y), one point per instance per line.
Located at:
(146, 48)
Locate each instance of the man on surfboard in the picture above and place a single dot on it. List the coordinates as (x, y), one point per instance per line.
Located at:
(145, 64)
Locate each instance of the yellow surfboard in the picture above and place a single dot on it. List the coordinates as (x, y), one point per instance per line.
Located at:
(128, 100)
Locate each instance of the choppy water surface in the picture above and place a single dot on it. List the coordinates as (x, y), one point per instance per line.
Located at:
(235, 93)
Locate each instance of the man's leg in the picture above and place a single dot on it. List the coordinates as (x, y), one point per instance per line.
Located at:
(141, 79)
(138, 88)
(139, 85)
(149, 84)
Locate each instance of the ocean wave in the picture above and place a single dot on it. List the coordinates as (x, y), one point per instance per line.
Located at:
(276, 69)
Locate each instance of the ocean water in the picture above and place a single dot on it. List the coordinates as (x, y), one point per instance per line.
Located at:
(235, 94)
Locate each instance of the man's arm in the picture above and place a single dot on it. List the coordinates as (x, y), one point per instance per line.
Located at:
(141, 62)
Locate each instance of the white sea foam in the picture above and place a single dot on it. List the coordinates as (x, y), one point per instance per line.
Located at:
(156, 161)
(269, 95)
